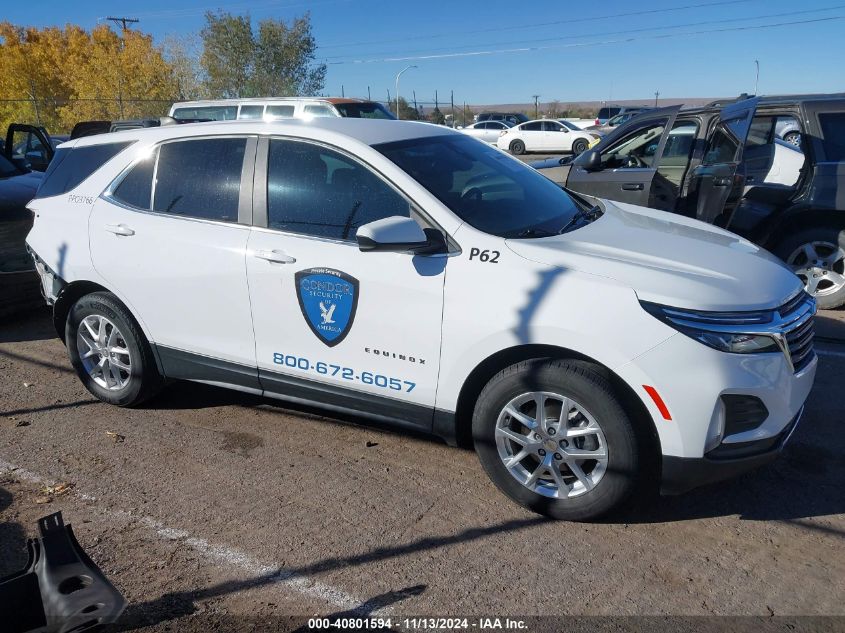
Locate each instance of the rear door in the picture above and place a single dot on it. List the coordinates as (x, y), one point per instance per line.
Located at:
(716, 184)
(629, 157)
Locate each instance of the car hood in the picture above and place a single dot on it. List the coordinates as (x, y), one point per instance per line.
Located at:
(17, 191)
(669, 259)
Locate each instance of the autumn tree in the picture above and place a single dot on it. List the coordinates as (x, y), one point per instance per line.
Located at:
(276, 61)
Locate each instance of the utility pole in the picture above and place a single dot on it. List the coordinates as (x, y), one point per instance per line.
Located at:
(123, 22)
(369, 98)
(757, 77)
(415, 100)
(656, 95)
(342, 93)
(452, 102)
(536, 106)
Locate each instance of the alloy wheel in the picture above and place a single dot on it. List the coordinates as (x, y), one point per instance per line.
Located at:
(820, 265)
(551, 444)
(104, 352)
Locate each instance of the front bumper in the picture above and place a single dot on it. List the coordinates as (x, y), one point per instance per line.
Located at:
(681, 474)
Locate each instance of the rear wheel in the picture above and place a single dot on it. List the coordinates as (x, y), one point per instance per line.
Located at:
(579, 146)
(553, 437)
(517, 147)
(793, 138)
(818, 258)
(109, 352)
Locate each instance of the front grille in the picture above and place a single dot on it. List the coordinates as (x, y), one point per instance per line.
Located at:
(799, 330)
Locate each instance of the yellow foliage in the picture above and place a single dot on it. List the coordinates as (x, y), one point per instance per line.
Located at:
(58, 77)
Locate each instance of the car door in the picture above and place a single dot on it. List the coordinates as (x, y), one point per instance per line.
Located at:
(556, 137)
(716, 184)
(532, 135)
(30, 145)
(170, 236)
(357, 330)
(628, 160)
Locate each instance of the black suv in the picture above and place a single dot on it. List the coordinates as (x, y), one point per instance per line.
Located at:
(514, 118)
(727, 165)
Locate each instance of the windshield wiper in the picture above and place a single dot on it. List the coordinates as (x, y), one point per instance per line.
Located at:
(535, 233)
(589, 215)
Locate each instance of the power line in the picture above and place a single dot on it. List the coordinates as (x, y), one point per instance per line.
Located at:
(539, 24)
(123, 21)
(607, 33)
(527, 49)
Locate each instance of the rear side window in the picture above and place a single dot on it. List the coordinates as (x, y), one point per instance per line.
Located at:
(200, 178)
(722, 149)
(251, 112)
(215, 113)
(70, 167)
(833, 135)
(281, 111)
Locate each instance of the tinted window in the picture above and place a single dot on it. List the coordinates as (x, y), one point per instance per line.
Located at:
(281, 111)
(200, 178)
(75, 166)
(636, 149)
(214, 113)
(251, 112)
(536, 126)
(606, 113)
(552, 126)
(136, 188)
(679, 142)
(722, 149)
(833, 135)
(483, 186)
(364, 111)
(761, 131)
(316, 191)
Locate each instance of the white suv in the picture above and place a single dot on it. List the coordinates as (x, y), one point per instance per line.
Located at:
(415, 275)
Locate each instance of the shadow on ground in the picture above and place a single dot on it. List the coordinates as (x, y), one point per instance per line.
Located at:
(13, 554)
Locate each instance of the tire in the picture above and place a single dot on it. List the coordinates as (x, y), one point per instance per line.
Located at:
(579, 146)
(593, 405)
(793, 138)
(99, 323)
(817, 256)
(517, 147)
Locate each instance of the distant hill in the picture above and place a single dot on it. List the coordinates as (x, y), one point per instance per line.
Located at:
(590, 105)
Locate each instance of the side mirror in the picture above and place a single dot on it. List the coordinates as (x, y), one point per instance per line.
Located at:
(398, 234)
(589, 160)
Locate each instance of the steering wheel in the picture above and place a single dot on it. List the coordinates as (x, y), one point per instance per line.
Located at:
(632, 160)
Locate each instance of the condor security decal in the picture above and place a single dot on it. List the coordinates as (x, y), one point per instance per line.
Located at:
(328, 299)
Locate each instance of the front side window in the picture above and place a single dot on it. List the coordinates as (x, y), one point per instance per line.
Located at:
(368, 110)
(552, 126)
(722, 149)
(200, 178)
(635, 150)
(679, 143)
(316, 191)
(535, 126)
(484, 187)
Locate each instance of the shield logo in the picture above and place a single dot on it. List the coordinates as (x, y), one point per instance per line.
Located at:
(328, 299)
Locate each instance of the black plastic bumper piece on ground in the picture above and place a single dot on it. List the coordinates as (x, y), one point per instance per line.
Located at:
(681, 474)
(60, 590)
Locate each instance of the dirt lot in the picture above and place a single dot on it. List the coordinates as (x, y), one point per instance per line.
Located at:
(211, 510)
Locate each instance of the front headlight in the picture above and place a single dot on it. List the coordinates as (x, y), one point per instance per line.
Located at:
(732, 332)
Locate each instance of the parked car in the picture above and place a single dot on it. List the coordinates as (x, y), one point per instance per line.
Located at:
(608, 112)
(619, 119)
(293, 260)
(547, 135)
(272, 108)
(19, 285)
(488, 131)
(514, 118)
(722, 174)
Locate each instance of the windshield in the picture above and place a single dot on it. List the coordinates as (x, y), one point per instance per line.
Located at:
(364, 111)
(571, 126)
(483, 186)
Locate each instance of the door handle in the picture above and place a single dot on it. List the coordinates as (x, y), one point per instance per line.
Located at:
(723, 181)
(275, 256)
(119, 229)
(633, 186)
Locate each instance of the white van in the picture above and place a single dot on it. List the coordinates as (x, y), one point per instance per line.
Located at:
(274, 108)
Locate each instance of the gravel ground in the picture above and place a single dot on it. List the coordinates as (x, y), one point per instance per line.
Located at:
(212, 510)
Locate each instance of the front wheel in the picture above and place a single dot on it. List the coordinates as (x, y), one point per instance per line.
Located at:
(818, 258)
(553, 437)
(579, 146)
(109, 352)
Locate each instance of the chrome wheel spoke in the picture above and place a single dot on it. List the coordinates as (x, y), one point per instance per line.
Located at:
(809, 251)
(536, 454)
(103, 352)
(837, 279)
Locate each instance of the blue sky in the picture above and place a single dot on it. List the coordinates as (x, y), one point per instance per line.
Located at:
(578, 50)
